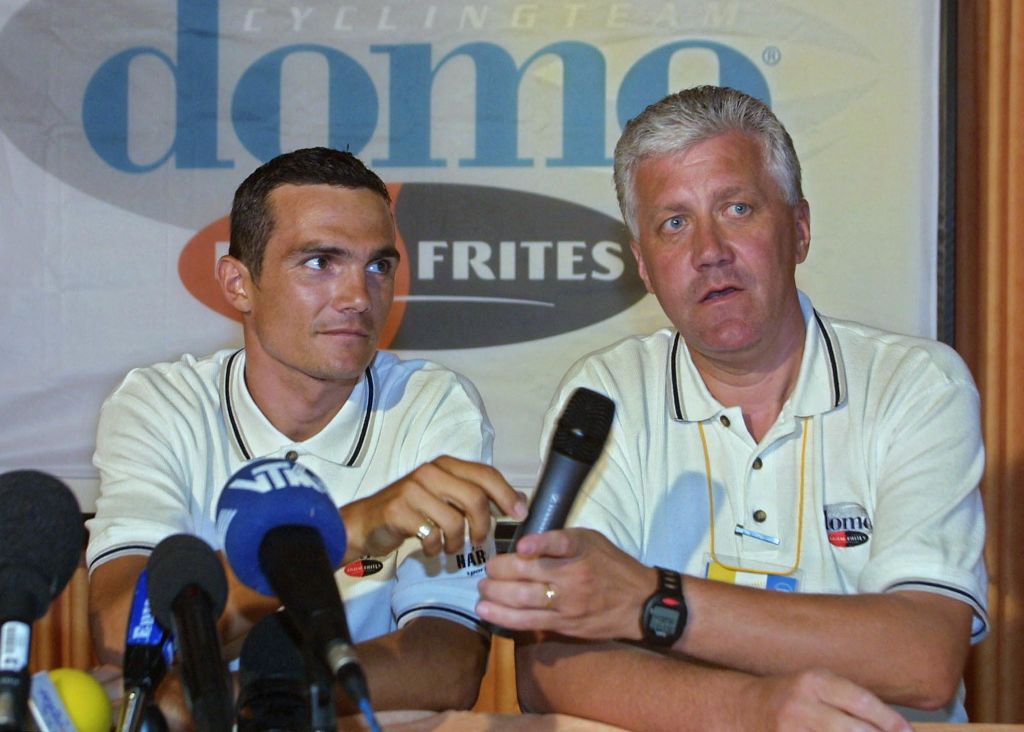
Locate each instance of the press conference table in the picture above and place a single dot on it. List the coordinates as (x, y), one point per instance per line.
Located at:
(418, 721)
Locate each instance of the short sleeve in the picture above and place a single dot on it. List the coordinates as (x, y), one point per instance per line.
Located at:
(142, 479)
(929, 529)
(452, 422)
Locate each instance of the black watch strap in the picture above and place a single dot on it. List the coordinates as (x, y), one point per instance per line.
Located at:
(664, 614)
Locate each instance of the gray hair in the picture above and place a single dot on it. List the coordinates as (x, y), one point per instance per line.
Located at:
(682, 120)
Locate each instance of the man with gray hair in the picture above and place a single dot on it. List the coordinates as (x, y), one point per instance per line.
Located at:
(758, 445)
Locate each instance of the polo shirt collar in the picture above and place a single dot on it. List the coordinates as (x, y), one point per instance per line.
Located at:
(820, 386)
(342, 442)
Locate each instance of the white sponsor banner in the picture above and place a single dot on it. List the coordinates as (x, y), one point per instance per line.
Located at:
(123, 134)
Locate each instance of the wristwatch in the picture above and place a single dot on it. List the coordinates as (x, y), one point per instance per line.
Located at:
(664, 614)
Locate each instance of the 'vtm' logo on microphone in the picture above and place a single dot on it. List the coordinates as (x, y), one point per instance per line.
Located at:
(475, 256)
(269, 474)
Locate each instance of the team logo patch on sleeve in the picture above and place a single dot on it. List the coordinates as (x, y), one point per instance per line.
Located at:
(847, 524)
(363, 567)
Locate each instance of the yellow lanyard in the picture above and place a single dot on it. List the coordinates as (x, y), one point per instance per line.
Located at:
(800, 505)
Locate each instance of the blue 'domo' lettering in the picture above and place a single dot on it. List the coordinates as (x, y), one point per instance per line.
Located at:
(105, 104)
(353, 102)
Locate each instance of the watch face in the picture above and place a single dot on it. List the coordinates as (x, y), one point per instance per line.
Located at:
(664, 613)
(662, 621)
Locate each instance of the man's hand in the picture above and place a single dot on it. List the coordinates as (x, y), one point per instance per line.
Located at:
(433, 502)
(816, 700)
(573, 581)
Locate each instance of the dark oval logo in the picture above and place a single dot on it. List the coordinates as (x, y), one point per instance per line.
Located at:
(363, 567)
(480, 267)
(847, 538)
(491, 266)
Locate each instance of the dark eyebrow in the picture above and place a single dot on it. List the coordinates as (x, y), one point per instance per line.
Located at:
(318, 249)
(386, 252)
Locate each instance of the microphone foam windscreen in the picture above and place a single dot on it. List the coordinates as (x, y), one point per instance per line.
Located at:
(178, 562)
(270, 650)
(273, 682)
(41, 533)
(583, 425)
(69, 699)
(267, 493)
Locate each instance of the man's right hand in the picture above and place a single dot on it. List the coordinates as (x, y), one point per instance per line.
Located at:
(434, 502)
(816, 700)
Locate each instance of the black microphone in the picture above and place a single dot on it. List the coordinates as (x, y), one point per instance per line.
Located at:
(272, 679)
(187, 593)
(41, 537)
(579, 438)
(148, 651)
(295, 562)
(286, 541)
(278, 691)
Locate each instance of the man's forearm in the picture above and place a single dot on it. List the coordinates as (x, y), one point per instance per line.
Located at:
(626, 686)
(638, 689)
(111, 589)
(907, 647)
(431, 663)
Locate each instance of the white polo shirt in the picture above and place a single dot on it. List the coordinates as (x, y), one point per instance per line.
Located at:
(891, 465)
(172, 434)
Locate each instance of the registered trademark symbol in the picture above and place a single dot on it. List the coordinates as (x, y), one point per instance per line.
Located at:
(771, 55)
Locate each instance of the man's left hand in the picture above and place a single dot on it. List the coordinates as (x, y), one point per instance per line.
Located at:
(572, 581)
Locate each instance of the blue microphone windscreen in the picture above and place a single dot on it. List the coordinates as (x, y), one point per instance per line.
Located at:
(268, 493)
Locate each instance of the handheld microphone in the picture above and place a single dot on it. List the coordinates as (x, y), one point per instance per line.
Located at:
(187, 593)
(148, 651)
(42, 532)
(287, 541)
(579, 437)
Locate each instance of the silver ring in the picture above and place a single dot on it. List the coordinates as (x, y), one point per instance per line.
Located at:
(550, 594)
(425, 529)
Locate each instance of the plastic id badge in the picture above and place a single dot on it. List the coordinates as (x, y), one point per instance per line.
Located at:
(765, 576)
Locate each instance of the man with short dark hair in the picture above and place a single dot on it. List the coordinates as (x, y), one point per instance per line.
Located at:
(758, 445)
(399, 444)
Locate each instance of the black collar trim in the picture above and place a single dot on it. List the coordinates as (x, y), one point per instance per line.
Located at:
(366, 420)
(837, 395)
(229, 408)
(674, 371)
(236, 428)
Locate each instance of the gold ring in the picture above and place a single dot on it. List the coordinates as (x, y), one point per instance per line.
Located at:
(425, 529)
(550, 594)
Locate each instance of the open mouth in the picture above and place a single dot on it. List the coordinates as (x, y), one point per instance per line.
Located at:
(719, 294)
